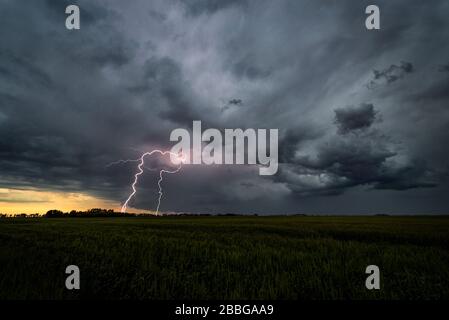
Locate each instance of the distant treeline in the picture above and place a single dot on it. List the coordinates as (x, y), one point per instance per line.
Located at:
(96, 212)
(20, 215)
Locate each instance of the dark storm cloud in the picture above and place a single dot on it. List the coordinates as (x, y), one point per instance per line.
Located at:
(355, 118)
(73, 101)
(164, 78)
(232, 103)
(235, 102)
(391, 74)
(292, 140)
(414, 175)
(364, 159)
(343, 164)
(60, 119)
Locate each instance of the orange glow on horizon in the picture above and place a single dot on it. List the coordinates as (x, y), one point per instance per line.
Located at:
(16, 201)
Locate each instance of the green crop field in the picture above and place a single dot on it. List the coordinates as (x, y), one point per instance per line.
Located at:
(225, 257)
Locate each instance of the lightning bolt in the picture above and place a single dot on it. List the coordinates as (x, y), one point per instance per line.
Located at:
(140, 169)
(121, 162)
(160, 187)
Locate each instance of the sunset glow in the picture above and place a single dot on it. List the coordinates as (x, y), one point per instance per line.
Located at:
(14, 201)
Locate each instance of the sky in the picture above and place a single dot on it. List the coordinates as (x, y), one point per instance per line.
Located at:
(363, 116)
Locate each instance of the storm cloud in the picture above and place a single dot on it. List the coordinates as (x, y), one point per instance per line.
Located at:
(355, 118)
(71, 102)
(391, 74)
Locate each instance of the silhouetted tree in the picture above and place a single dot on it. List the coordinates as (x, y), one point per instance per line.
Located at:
(54, 214)
(94, 212)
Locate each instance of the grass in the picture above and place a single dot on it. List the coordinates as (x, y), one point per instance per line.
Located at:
(225, 257)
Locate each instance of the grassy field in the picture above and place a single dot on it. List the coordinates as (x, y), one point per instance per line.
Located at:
(225, 257)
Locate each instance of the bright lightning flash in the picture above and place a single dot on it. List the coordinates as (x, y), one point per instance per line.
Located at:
(181, 158)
